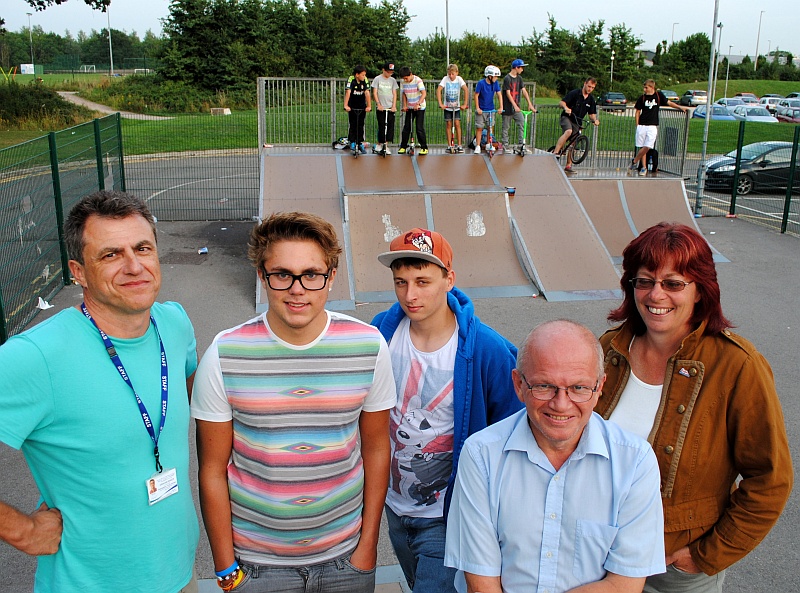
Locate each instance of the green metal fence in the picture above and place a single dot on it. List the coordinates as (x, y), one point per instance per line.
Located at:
(40, 180)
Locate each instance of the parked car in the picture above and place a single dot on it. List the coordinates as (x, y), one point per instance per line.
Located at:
(718, 112)
(613, 100)
(790, 116)
(694, 98)
(764, 166)
(753, 113)
(770, 103)
(795, 95)
(785, 104)
(730, 101)
(671, 95)
(773, 95)
(747, 97)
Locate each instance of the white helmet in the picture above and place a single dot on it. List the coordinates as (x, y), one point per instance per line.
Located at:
(491, 71)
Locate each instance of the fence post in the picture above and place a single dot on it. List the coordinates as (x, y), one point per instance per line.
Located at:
(790, 184)
(735, 188)
(98, 149)
(121, 154)
(685, 142)
(333, 110)
(51, 137)
(3, 329)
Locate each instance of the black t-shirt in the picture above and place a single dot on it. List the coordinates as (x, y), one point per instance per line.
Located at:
(358, 94)
(649, 106)
(580, 105)
(515, 85)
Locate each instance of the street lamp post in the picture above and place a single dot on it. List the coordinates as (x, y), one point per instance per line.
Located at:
(728, 69)
(611, 84)
(673, 32)
(447, 29)
(110, 51)
(758, 38)
(488, 26)
(716, 62)
(30, 37)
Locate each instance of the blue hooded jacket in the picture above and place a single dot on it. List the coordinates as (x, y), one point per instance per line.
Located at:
(482, 385)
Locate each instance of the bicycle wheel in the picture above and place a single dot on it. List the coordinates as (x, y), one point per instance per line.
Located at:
(580, 149)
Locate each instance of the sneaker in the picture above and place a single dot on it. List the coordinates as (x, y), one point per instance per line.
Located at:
(478, 149)
(633, 166)
(642, 172)
(401, 151)
(423, 151)
(387, 150)
(378, 147)
(362, 149)
(459, 149)
(568, 168)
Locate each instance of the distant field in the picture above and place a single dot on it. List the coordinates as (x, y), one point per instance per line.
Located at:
(59, 80)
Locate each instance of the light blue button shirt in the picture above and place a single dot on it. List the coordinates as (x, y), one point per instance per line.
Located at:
(514, 516)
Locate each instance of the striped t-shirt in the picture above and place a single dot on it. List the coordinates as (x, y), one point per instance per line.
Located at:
(296, 476)
(413, 92)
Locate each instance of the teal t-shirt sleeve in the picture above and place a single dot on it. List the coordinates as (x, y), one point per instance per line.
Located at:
(26, 395)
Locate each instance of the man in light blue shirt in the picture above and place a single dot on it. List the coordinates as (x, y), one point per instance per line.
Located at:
(553, 498)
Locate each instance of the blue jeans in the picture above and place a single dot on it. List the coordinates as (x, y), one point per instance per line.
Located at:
(676, 581)
(419, 546)
(336, 576)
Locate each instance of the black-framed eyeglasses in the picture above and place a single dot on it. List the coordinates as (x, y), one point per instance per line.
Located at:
(308, 280)
(545, 391)
(669, 285)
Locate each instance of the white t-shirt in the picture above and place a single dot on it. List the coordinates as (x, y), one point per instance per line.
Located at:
(451, 96)
(421, 425)
(637, 407)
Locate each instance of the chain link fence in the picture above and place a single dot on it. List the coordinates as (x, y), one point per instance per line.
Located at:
(40, 181)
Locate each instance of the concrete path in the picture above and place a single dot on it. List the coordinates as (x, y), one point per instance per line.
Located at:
(73, 97)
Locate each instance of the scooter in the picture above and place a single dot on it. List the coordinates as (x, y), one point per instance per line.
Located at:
(521, 150)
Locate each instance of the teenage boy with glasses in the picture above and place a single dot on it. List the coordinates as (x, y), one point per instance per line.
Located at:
(292, 412)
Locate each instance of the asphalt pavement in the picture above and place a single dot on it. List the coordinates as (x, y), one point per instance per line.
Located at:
(759, 294)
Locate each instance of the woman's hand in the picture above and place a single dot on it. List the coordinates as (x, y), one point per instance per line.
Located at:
(682, 560)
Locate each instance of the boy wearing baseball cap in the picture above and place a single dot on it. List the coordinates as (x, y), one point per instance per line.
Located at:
(384, 89)
(513, 91)
(453, 378)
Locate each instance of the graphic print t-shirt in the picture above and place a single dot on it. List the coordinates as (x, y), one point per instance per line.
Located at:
(451, 94)
(421, 425)
(649, 106)
(358, 97)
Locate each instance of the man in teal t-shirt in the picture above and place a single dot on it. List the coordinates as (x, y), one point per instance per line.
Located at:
(113, 472)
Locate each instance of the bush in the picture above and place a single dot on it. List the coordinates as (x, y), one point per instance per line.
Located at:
(153, 94)
(35, 106)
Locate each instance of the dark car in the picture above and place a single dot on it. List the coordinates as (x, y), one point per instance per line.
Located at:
(671, 95)
(790, 116)
(613, 100)
(794, 95)
(764, 166)
(694, 98)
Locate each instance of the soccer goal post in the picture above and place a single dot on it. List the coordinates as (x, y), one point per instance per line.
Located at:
(87, 68)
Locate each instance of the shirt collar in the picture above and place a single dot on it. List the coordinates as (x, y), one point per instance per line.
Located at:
(590, 443)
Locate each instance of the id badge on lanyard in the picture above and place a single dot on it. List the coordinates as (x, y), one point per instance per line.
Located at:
(162, 483)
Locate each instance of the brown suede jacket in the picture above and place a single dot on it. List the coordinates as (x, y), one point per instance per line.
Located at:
(719, 418)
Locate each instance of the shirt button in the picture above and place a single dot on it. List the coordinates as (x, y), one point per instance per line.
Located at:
(552, 515)
(669, 449)
(549, 554)
(557, 478)
(681, 409)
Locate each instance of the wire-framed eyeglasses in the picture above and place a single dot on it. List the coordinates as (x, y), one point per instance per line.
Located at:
(308, 280)
(545, 391)
(668, 285)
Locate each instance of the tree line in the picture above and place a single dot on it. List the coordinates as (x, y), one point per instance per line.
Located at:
(223, 45)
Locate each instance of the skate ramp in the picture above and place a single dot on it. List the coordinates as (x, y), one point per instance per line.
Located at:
(622, 208)
(555, 236)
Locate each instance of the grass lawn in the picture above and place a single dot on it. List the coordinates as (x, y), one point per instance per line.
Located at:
(12, 137)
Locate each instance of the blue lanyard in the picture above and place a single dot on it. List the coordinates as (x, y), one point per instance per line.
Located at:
(112, 353)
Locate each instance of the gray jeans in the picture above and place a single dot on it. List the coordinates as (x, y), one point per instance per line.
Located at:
(677, 581)
(520, 119)
(336, 576)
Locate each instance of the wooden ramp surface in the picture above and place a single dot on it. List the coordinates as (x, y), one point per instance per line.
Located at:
(563, 237)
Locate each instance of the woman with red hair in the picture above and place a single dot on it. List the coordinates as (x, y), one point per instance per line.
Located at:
(704, 398)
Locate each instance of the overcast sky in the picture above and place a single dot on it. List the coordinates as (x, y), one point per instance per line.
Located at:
(509, 20)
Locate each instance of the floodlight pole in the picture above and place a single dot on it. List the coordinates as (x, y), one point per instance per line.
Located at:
(728, 69)
(673, 32)
(758, 38)
(30, 37)
(611, 83)
(110, 51)
(447, 28)
(716, 62)
(698, 201)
